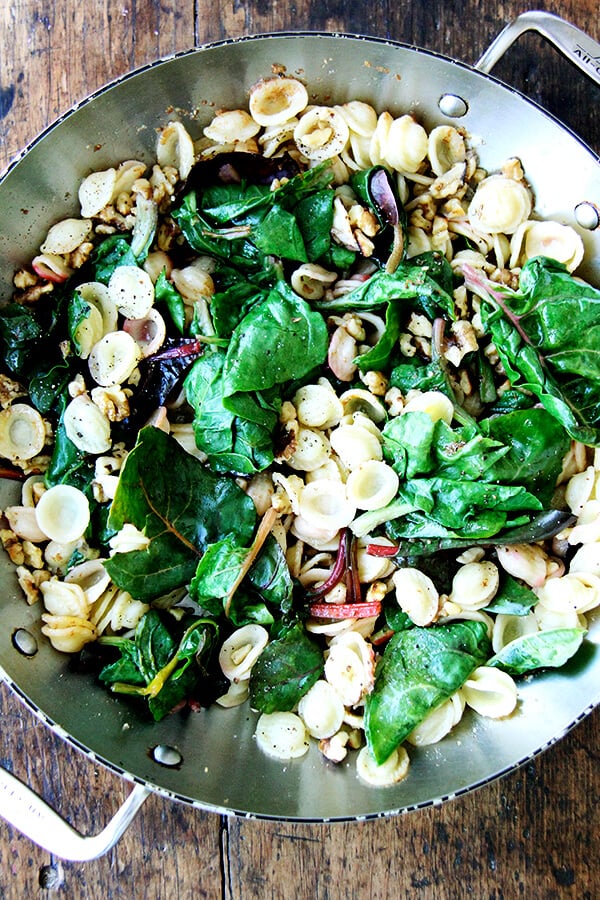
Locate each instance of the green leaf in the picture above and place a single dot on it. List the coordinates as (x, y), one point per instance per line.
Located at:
(113, 252)
(512, 599)
(420, 668)
(314, 215)
(548, 339)
(278, 234)
(180, 515)
(167, 293)
(543, 649)
(286, 669)
(280, 339)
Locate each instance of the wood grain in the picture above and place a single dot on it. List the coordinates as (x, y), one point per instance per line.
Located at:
(532, 834)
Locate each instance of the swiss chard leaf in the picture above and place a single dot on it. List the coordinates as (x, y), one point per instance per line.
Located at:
(280, 339)
(180, 516)
(113, 252)
(512, 599)
(548, 338)
(158, 665)
(167, 293)
(231, 443)
(286, 669)
(543, 649)
(420, 668)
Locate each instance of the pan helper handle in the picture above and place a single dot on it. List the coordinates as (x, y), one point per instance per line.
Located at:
(29, 814)
(573, 43)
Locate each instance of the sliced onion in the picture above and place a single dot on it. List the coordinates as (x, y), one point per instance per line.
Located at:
(149, 333)
(63, 513)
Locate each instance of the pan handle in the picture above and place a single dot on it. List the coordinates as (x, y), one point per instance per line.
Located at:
(573, 43)
(32, 816)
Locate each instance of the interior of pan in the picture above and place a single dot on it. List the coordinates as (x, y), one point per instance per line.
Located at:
(221, 768)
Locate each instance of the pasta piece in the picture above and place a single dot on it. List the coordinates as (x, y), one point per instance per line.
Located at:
(406, 145)
(149, 333)
(63, 513)
(475, 585)
(436, 404)
(91, 577)
(312, 450)
(131, 290)
(97, 294)
(311, 280)
(445, 148)
(508, 628)
(282, 735)
(22, 521)
(393, 770)
(64, 599)
(276, 100)
(22, 432)
(113, 358)
(587, 528)
(68, 634)
(175, 148)
(241, 650)
(560, 242)
(230, 126)
(490, 692)
(372, 484)
(321, 133)
(578, 592)
(325, 505)
(438, 723)
(97, 191)
(66, 236)
(417, 595)
(349, 667)
(88, 331)
(525, 561)
(317, 405)
(322, 711)
(355, 444)
(499, 204)
(587, 559)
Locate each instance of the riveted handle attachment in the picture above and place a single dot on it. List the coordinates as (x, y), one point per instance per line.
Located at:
(576, 45)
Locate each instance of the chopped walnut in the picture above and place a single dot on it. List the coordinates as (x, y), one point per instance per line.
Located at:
(24, 279)
(33, 556)
(13, 546)
(112, 401)
(463, 340)
(394, 401)
(78, 257)
(512, 168)
(32, 294)
(376, 591)
(30, 583)
(10, 390)
(376, 382)
(334, 748)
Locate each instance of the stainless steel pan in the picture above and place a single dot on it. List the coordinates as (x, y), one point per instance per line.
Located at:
(210, 759)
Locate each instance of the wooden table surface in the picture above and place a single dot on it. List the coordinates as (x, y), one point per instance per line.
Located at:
(531, 834)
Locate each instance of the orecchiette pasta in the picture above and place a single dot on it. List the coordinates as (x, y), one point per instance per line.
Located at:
(335, 503)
